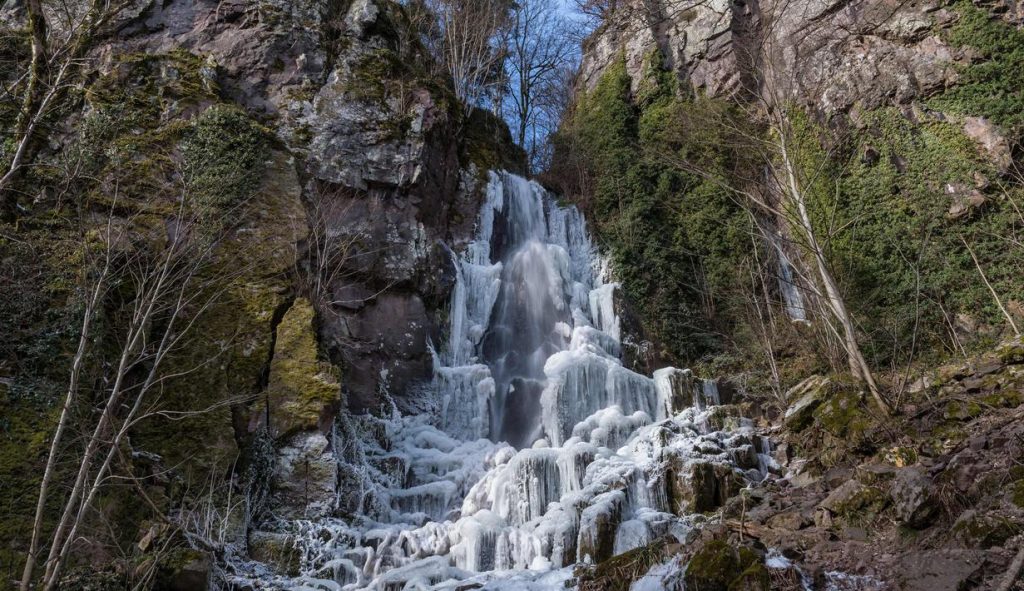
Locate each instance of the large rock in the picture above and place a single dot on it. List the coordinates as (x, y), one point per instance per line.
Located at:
(913, 497)
(851, 501)
(803, 399)
(701, 486)
(720, 567)
(305, 478)
(304, 393)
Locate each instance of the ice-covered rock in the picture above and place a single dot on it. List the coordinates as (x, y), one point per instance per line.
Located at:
(600, 459)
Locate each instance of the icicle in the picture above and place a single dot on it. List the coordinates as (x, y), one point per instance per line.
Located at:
(533, 358)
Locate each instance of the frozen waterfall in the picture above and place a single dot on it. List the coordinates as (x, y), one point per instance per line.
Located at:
(545, 451)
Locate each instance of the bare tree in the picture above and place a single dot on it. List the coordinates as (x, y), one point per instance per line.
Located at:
(59, 45)
(169, 292)
(337, 229)
(466, 36)
(539, 49)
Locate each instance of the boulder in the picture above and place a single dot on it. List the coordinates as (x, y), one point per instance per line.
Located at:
(850, 501)
(720, 567)
(803, 399)
(702, 486)
(276, 550)
(912, 494)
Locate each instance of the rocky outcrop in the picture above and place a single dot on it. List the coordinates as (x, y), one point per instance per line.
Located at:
(384, 167)
(939, 491)
(831, 55)
(303, 393)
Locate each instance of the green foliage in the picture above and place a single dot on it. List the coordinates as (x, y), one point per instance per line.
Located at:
(676, 240)
(223, 152)
(487, 143)
(991, 85)
(895, 248)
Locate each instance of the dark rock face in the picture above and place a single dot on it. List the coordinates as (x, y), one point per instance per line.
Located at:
(350, 91)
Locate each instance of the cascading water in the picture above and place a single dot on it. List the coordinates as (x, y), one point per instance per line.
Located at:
(546, 451)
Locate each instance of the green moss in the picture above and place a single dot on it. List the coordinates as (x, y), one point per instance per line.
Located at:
(618, 573)
(150, 88)
(223, 150)
(720, 567)
(1011, 353)
(990, 85)
(301, 385)
(900, 256)
(862, 507)
(755, 578)
(224, 359)
(1017, 493)
(963, 409)
(985, 531)
(843, 415)
(488, 144)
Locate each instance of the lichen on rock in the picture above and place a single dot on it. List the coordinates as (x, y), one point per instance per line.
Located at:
(303, 393)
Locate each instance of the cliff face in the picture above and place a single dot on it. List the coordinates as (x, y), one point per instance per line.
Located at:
(835, 55)
(904, 107)
(324, 137)
(348, 90)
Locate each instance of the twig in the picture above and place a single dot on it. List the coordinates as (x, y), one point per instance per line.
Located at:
(995, 296)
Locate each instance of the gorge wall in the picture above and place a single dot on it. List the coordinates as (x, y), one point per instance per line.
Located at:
(420, 370)
(325, 135)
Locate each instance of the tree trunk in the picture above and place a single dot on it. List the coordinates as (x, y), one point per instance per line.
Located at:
(837, 305)
(51, 460)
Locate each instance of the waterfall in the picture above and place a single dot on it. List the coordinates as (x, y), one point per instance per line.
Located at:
(545, 451)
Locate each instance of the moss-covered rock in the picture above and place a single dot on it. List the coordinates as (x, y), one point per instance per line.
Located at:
(721, 567)
(1017, 493)
(701, 486)
(985, 529)
(619, 572)
(224, 361)
(755, 578)
(276, 550)
(304, 392)
(803, 400)
(854, 503)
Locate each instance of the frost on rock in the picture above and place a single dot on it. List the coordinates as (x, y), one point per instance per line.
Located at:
(544, 452)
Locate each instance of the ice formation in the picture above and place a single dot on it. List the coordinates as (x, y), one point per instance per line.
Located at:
(545, 451)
